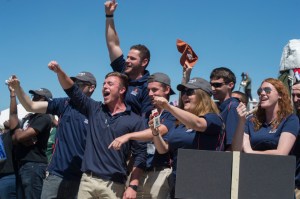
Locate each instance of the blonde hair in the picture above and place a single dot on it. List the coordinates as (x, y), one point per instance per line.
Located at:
(204, 104)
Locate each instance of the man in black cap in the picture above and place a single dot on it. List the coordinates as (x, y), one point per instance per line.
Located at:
(31, 144)
(154, 182)
(65, 166)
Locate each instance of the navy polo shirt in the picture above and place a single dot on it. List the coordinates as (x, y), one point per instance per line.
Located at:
(266, 138)
(296, 152)
(69, 139)
(137, 93)
(230, 117)
(182, 138)
(105, 163)
(154, 159)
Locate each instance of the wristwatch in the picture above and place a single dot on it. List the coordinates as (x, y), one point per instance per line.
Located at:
(134, 187)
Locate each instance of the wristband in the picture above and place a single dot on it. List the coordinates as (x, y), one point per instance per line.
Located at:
(155, 134)
(134, 187)
(109, 16)
(12, 96)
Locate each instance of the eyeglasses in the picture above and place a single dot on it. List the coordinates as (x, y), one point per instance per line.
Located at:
(266, 89)
(36, 97)
(188, 92)
(217, 84)
(81, 84)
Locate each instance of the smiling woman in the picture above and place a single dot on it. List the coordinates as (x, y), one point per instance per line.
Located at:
(199, 125)
(273, 128)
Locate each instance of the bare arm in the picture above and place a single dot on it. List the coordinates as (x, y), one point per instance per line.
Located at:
(13, 111)
(134, 180)
(145, 135)
(237, 140)
(286, 142)
(185, 78)
(27, 103)
(24, 136)
(65, 81)
(112, 39)
(188, 119)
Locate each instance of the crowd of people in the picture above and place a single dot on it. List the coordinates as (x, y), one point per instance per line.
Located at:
(126, 146)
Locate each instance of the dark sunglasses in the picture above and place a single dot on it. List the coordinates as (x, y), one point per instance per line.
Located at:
(82, 84)
(36, 97)
(188, 92)
(217, 84)
(266, 89)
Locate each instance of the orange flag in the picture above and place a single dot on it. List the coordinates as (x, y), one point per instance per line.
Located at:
(188, 57)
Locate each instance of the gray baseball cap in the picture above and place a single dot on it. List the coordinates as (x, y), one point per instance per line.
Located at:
(162, 78)
(196, 83)
(85, 77)
(42, 92)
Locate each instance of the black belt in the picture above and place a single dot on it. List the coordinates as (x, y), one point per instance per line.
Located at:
(92, 174)
(160, 168)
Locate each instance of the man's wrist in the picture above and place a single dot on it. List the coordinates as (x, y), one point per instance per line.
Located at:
(109, 16)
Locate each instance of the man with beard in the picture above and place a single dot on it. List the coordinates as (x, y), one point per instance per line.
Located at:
(134, 66)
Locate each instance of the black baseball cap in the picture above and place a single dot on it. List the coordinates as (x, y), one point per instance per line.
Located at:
(42, 92)
(85, 77)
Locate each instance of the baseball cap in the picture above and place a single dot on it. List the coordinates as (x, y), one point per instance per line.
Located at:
(162, 78)
(43, 92)
(85, 77)
(196, 83)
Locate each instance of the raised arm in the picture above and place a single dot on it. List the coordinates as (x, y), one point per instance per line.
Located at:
(112, 39)
(237, 140)
(13, 111)
(27, 103)
(186, 74)
(65, 81)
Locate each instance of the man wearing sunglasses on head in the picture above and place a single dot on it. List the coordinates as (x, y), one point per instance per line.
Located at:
(31, 139)
(222, 81)
(65, 165)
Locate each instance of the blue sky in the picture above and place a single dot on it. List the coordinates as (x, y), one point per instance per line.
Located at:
(245, 36)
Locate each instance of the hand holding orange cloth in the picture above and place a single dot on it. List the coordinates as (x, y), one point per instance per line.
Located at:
(188, 58)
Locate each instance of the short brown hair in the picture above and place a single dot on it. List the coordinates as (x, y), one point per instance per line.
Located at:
(144, 52)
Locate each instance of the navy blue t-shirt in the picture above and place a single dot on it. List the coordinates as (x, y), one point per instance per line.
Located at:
(267, 138)
(69, 139)
(154, 159)
(180, 137)
(230, 117)
(137, 93)
(108, 164)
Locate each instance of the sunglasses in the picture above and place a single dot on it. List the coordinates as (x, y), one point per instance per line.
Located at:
(188, 92)
(82, 84)
(36, 97)
(217, 84)
(266, 89)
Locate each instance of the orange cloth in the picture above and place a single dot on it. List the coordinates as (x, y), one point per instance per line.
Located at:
(188, 57)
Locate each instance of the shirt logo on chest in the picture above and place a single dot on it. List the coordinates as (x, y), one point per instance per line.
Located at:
(135, 91)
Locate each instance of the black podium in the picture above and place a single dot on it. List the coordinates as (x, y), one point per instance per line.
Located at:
(228, 175)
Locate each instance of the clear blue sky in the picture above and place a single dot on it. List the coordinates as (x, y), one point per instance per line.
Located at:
(245, 36)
